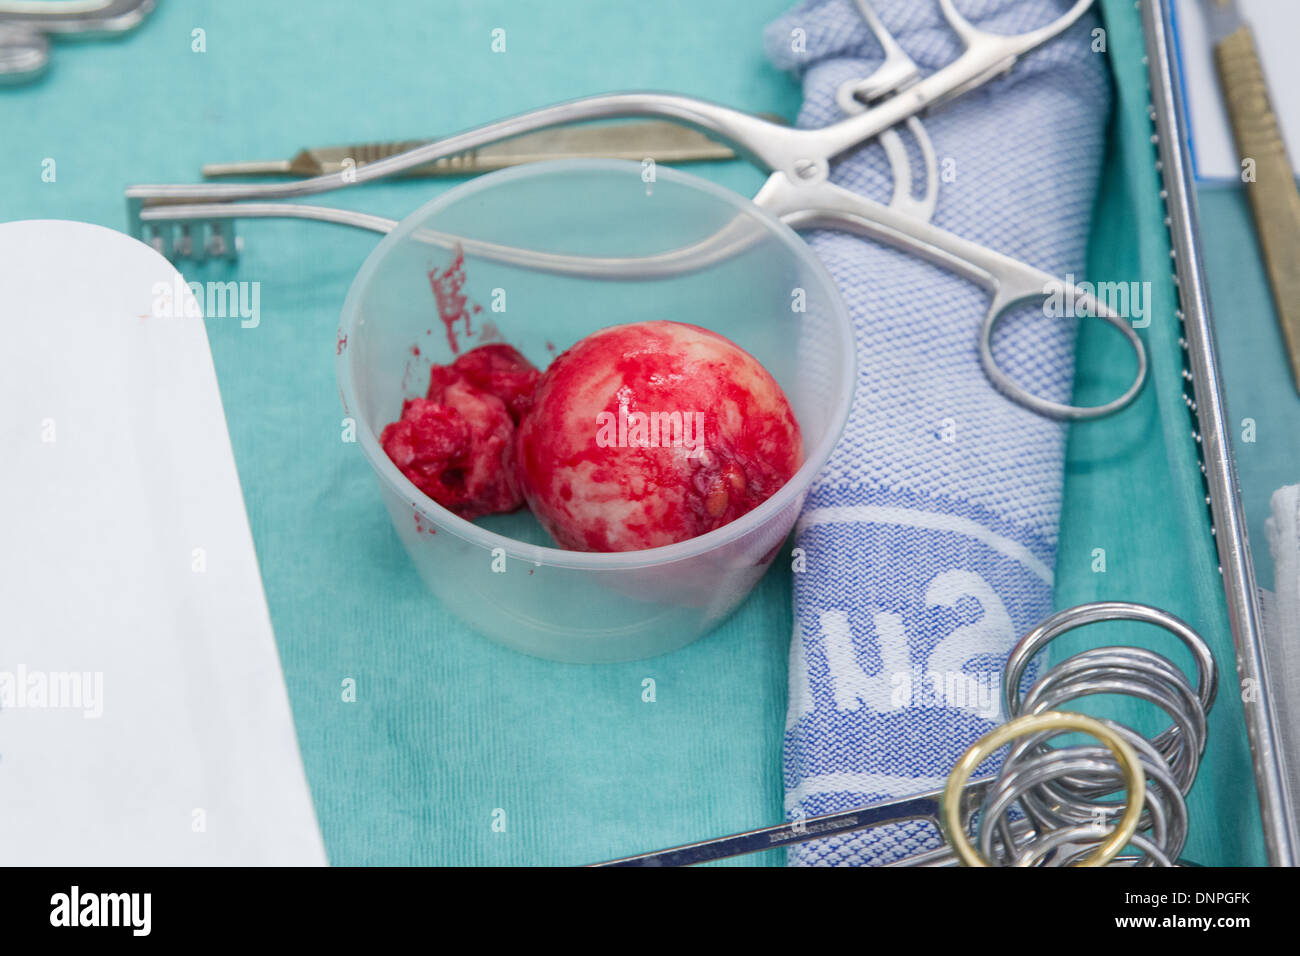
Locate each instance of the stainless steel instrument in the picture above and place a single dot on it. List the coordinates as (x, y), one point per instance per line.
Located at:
(659, 140)
(27, 25)
(1274, 196)
(195, 220)
(1210, 431)
(1045, 806)
(198, 220)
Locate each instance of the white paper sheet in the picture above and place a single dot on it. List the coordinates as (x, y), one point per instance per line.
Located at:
(1276, 26)
(126, 559)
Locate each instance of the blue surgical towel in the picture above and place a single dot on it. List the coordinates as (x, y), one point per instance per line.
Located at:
(926, 546)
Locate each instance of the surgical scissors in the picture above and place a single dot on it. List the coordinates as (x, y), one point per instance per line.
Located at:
(1061, 792)
(797, 189)
(25, 26)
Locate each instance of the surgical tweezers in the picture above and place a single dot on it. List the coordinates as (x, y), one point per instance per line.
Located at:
(660, 140)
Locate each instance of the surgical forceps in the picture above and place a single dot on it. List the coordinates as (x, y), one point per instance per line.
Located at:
(797, 190)
(25, 26)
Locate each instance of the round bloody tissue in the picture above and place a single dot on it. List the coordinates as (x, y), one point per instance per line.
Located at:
(457, 444)
(647, 434)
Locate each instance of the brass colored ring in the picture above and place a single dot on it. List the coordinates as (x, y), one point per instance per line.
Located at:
(1059, 721)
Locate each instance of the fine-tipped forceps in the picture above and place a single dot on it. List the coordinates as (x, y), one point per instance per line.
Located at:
(26, 25)
(797, 190)
(665, 141)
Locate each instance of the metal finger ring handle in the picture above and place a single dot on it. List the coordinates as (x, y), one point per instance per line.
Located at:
(1004, 383)
(1054, 721)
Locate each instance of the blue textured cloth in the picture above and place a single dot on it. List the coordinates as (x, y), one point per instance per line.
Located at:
(929, 539)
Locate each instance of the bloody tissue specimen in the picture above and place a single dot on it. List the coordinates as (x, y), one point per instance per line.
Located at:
(457, 444)
(646, 434)
(501, 371)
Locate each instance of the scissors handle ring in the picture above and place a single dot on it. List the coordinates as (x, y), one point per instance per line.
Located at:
(1087, 304)
(1056, 721)
(1062, 622)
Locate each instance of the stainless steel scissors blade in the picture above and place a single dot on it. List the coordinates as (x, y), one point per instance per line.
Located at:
(924, 806)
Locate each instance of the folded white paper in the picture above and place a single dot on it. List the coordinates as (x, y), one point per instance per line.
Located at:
(143, 713)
